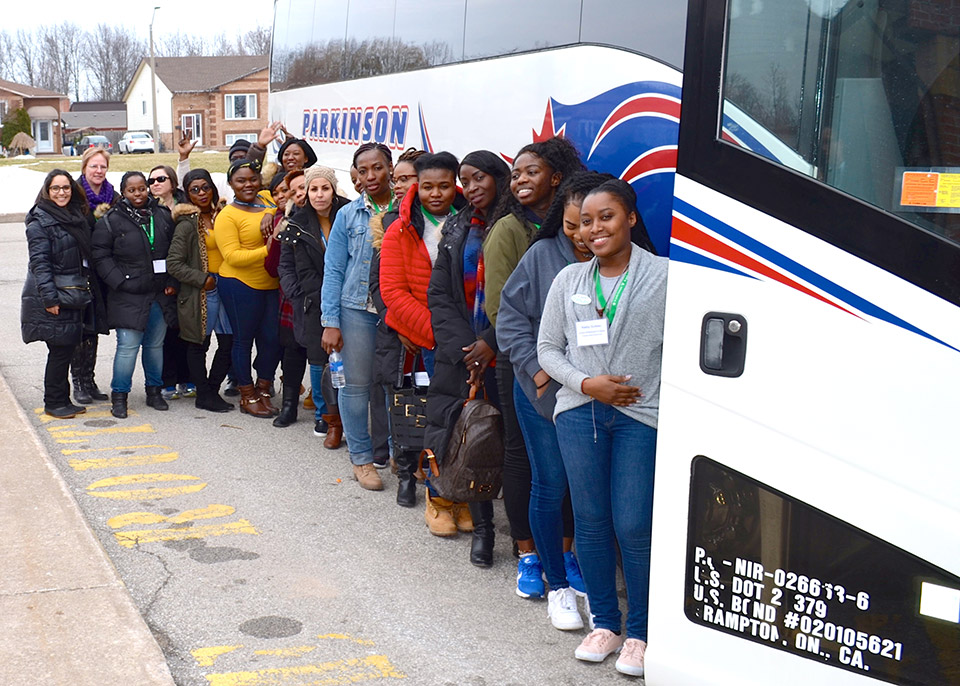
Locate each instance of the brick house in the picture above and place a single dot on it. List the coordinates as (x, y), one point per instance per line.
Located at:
(44, 108)
(213, 99)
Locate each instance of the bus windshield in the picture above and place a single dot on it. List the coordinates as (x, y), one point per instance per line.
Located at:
(866, 92)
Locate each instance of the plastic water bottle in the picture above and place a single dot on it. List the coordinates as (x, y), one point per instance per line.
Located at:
(336, 370)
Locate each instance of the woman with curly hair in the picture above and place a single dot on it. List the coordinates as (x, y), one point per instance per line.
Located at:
(194, 260)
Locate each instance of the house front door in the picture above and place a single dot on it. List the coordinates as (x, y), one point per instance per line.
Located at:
(43, 135)
(191, 125)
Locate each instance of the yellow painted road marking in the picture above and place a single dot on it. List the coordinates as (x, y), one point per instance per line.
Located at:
(147, 518)
(74, 451)
(326, 674)
(129, 539)
(60, 434)
(145, 493)
(346, 637)
(287, 652)
(122, 461)
(205, 657)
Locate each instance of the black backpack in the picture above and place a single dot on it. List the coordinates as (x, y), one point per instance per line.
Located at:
(472, 467)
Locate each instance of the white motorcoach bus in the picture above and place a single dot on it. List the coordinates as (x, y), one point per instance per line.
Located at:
(807, 503)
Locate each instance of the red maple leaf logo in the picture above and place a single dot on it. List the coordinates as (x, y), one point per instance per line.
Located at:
(547, 131)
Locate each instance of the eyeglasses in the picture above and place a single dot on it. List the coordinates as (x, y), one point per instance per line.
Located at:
(59, 189)
(158, 179)
(200, 189)
(97, 167)
(405, 178)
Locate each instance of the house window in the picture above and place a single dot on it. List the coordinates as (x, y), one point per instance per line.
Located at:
(232, 138)
(143, 106)
(240, 106)
(3, 109)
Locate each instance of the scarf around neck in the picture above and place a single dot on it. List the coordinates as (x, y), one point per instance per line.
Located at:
(94, 199)
(73, 222)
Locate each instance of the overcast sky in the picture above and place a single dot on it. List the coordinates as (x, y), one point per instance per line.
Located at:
(199, 17)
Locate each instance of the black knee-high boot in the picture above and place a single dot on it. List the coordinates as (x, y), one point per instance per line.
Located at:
(481, 548)
(406, 480)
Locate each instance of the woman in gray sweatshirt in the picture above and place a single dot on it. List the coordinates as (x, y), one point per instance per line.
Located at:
(601, 338)
(557, 245)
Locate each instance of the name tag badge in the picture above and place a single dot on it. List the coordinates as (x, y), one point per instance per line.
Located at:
(159, 266)
(580, 299)
(592, 332)
(421, 379)
(85, 263)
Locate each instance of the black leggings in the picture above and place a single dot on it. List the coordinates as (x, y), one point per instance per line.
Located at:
(176, 369)
(516, 465)
(197, 362)
(56, 386)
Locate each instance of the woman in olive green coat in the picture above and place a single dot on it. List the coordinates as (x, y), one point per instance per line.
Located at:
(194, 261)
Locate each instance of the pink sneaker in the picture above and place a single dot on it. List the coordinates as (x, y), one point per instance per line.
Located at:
(631, 657)
(598, 644)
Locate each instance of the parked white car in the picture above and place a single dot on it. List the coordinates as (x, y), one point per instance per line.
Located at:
(136, 141)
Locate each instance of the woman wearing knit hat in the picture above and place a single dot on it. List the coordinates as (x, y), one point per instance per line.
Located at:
(306, 236)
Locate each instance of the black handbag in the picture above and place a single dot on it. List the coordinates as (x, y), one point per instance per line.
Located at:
(408, 409)
(73, 291)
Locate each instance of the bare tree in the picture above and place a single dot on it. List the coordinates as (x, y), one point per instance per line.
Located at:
(26, 57)
(111, 58)
(223, 46)
(257, 41)
(6, 56)
(60, 50)
(181, 45)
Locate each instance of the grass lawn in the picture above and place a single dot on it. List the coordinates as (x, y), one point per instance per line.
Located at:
(211, 161)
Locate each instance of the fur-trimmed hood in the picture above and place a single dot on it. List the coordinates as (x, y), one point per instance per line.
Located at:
(186, 209)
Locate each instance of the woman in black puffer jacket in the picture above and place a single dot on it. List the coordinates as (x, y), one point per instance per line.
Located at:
(130, 245)
(59, 298)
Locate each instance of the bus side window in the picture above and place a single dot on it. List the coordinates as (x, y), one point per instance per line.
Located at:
(863, 96)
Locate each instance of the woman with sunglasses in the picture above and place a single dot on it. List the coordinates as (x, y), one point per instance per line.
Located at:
(163, 185)
(248, 292)
(194, 261)
(60, 250)
(130, 245)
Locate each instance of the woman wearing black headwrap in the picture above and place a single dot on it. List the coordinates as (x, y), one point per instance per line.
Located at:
(60, 295)
(466, 343)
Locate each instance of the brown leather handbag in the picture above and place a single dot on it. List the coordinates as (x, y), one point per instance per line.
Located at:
(472, 468)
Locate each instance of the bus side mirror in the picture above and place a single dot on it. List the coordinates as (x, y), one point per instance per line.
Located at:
(723, 344)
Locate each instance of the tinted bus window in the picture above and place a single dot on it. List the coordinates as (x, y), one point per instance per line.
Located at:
(370, 49)
(650, 27)
(432, 27)
(308, 43)
(866, 92)
(501, 27)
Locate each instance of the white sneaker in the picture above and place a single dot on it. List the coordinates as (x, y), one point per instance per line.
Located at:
(562, 609)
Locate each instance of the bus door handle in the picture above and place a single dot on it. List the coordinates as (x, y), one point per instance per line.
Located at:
(723, 344)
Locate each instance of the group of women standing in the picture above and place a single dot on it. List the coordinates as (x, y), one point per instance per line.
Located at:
(535, 282)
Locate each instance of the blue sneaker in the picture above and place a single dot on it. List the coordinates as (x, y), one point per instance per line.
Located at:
(170, 393)
(530, 577)
(574, 577)
(187, 390)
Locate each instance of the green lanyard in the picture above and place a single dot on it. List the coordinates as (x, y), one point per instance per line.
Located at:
(150, 234)
(376, 207)
(433, 220)
(610, 311)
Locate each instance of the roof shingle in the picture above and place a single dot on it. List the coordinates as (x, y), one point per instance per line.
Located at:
(201, 74)
(30, 91)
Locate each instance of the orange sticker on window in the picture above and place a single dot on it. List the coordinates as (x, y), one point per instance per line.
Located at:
(919, 189)
(930, 189)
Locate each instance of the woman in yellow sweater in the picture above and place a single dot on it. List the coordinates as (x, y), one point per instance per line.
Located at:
(249, 294)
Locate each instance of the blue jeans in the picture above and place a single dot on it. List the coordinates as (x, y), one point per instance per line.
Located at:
(129, 342)
(359, 331)
(609, 459)
(316, 383)
(254, 316)
(548, 487)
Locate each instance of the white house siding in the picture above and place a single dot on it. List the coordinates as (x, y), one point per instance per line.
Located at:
(140, 92)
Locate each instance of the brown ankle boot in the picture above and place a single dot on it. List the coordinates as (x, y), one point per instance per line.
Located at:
(252, 402)
(334, 431)
(462, 518)
(263, 388)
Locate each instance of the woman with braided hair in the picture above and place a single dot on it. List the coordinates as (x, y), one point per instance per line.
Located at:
(347, 312)
(538, 170)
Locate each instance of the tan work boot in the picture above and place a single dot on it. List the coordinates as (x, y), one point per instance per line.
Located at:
(368, 477)
(439, 516)
(462, 518)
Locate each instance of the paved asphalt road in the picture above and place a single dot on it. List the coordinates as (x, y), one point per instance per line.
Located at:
(255, 559)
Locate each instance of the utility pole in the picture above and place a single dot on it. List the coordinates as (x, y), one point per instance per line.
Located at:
(153, 84)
